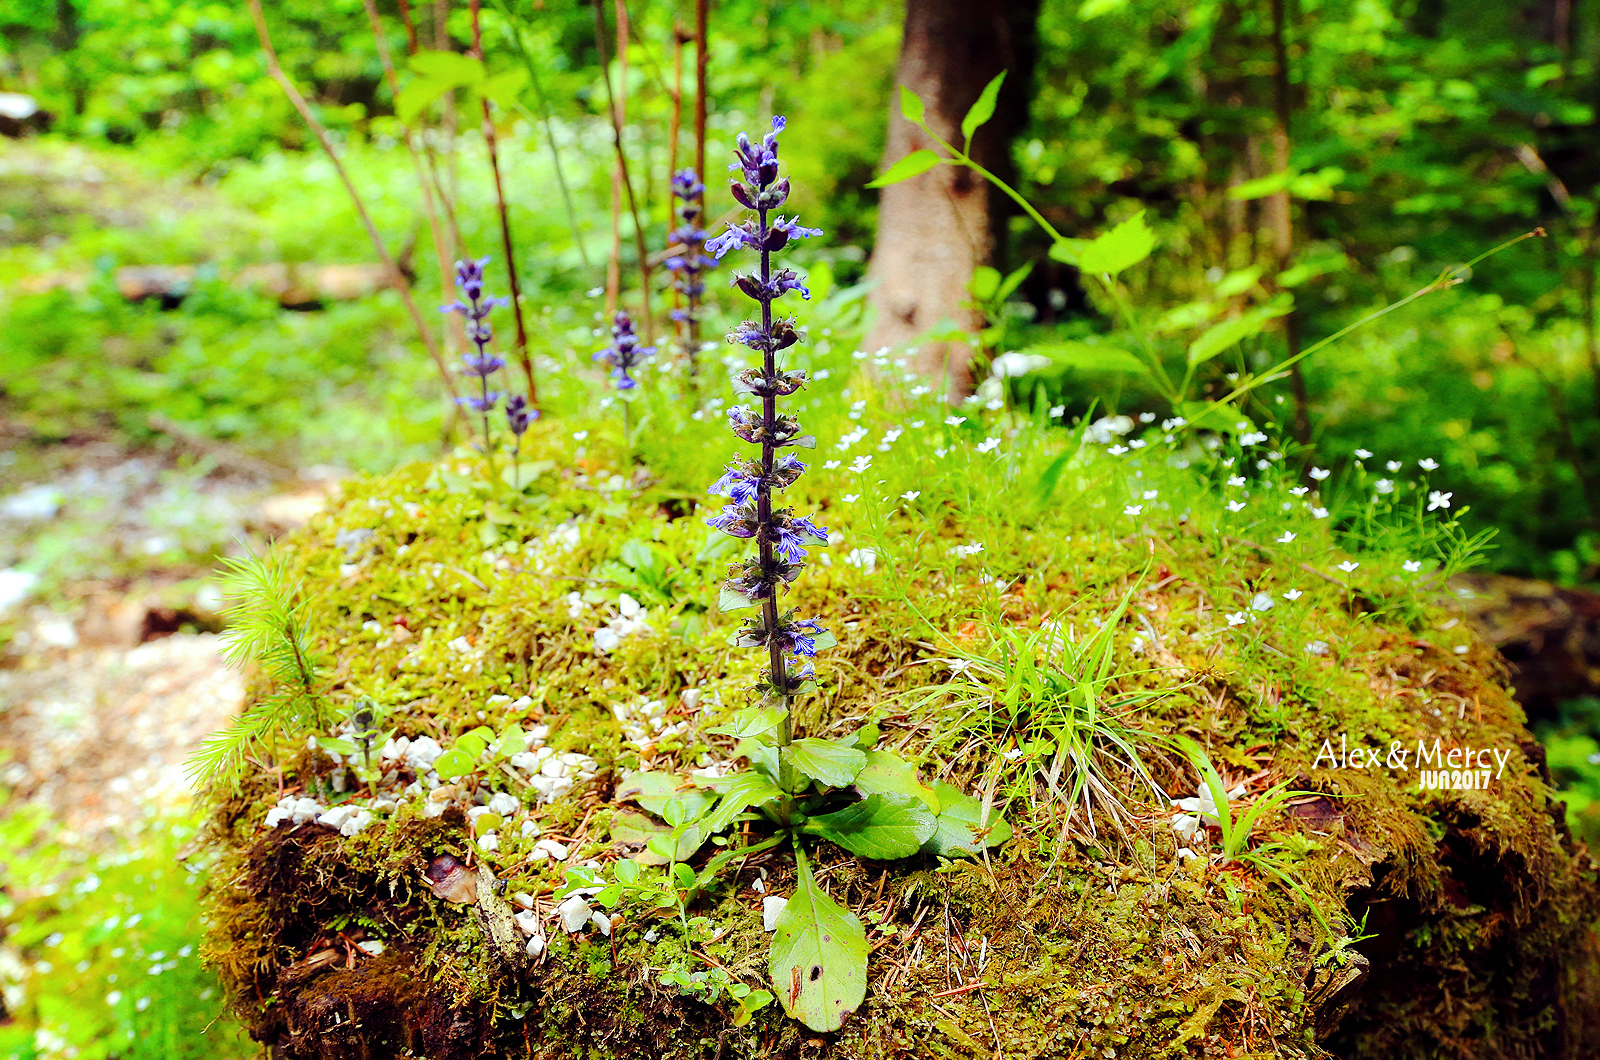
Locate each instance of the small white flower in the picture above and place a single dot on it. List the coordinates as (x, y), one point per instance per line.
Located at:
(1236, 506)
(1363, 454)
(1412, 566)
(1136, 443)
(919, 391)
(994, 405)
(1299, 491)
(1228, 462)
(988, 445)
(1320, 473)
(939, 451)
(1150, 495)
(579, 435)
(1319, 513)
(1117, 450)
(954, 421)
(1348, 565)
(850, 498)
(1428, 464)
(861, 463)
(911, 495)
(1057, 411)
(830, 464)
(1293, 594)
(1384, 485)
(1437, 499)
(1237, 618)
(1174, 423)
(1237, 480)
(1286, 537)
(917, 425)
(1394, 465)
(1133, 509)
(1261, 602)
(1147, 417)
(1262, 465)
(1252, 438)
(1317, 647)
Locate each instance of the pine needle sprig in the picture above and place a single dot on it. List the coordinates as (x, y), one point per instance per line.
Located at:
(266, 630)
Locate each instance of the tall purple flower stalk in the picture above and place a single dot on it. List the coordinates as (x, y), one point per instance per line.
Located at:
(781, 536)
(624, 354)
(687, 266)
(476, 310)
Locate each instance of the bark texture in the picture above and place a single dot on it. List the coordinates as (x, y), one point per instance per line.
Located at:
(933, 230)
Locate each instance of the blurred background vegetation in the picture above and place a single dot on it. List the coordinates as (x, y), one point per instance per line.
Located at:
(1346, 151)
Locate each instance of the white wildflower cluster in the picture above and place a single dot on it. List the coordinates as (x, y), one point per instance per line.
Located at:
(1195, 814)
(1107, 429)
(864, 558)
(851, 439)
(631, 618)
(963, 551)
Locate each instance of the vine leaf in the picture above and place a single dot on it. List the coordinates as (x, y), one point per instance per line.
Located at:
(819, 956)
(914, 164)
(1123, 247)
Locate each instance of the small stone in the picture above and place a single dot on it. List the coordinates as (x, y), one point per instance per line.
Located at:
(372, 947)
(530, 828)
(357, 822)
(535, 945)
(336, 817)
(528, 921)
(489, 841)
(524, 899)
(549, 848)
(306, 810)
(772, 907)
(574, 913)
(504, 804)
(652, 935)
(276, 816)
(423, 752)
(602, 923)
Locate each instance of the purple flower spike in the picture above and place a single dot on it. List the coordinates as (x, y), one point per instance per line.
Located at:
(475, 312)
(781, 536)
(624, 355)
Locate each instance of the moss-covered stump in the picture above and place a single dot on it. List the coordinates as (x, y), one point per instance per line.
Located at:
(1470, 912)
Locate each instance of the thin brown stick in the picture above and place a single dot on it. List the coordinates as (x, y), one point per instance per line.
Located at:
(387, 260)
(522, 351)
(701, 15)
(622, 159)
(435, 228)
(411, 26)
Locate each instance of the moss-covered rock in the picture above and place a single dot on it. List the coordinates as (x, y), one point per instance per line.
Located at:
(1461, 920)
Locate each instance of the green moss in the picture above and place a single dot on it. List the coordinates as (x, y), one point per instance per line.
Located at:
(1479, 905)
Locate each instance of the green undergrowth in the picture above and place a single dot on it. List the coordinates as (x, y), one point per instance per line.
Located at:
(1395, 921)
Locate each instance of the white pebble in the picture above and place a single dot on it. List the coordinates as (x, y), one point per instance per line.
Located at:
(371, 946)
(535, 945)
(528, 921)
(601, 923)
(504, 803)
(574, 913)
(771, 907)
(423, 752)
(524, 899)
(549, 848)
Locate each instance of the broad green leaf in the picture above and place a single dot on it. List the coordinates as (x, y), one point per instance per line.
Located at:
(983, 109)
(751, 721)
(488, 822)
(984, 283)
(638, 554)
(416, 96)
(1067, 251)
(1318, 185)
(455, 763)
(512, 742)
(762, 755)
(914, 164)
(653, 790)
(959, 822)
(337, 745)
(819, 956)
(889, 774)
(823, 640)
(1124, 246)
(1089, 357)
(453, 68)
(879, 826)
(825, 761)
(1220, 336)
(503, 89)
(911, 107)
(1237, 282)
(1096, 8)
(744, 790)
(1013, 281)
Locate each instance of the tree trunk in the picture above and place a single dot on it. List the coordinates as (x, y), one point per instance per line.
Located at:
(935, 229)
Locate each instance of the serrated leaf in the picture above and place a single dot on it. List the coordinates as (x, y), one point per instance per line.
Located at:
(751, 721)
(959, 823)
(911, 107)
(1067, 251)
(912, 165)
(889, 774)
(879, 826)
(1123, 247)
(818, 959)
(1220, 336)
(455, 763)
(825, 761)
(1088, 357)
(983, 109)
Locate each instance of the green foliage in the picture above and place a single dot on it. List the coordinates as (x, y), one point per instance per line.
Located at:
(99, 947)
(266, 631)
(819, 955)
(1572, 750)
